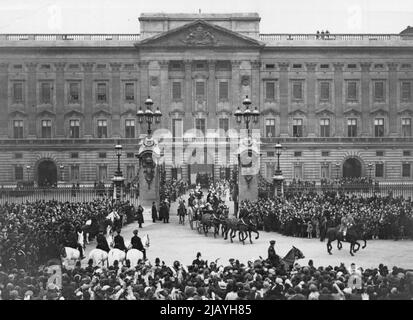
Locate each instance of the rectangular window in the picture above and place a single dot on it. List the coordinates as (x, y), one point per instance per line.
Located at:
(130, 172)
(379, 170)
(18, 129)
(103, 173)
(46, 128)
(73, 66)
(176, 90)
(325, 66)
(200, 89)
(406, 127)
(352, 127)
(102, 129)
(352, 66)
(379, 153)
(297, 153)
(129, 91)
(378, 66)
(406, 153)
(223, 90)
(297, 66)
(270, 66)
(18, 173)
(74, 92)
(406, 170)
(298, 171)
(406, 66)
(74, 155)
(270, 90)
(325, 91)
(74, 172)
(325, 171)
(406, 91)
(130, 155)
(18, 92)
(176, 66)
(177, 128)
(379, 127)
(379, 91)
(130, 128)
(200, 127)
(18, 156)
(324, 127)
(297, 91)
(270, 128)
(325, 153)
(270, 154)
(45, 92)
(102, 155)
(74, 129)
(101, 92)
(352, 91)
(223, 126)
(297, 127)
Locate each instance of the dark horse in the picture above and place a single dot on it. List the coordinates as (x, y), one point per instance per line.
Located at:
(352, 236)
(288, 261)
(232, 225)
(252, 226)
(209, 220)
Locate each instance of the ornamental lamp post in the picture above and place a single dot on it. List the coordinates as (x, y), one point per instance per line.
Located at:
(247, 114)
(148, 115)
(278, 177)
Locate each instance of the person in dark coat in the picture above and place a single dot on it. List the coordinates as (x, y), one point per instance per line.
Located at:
(154, 212)
(137, 243)
(272, 256)
(119, 242)
(139, 216)
(102, 244)
(165, 212)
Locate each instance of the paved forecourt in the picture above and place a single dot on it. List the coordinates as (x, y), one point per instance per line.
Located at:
(173, 241)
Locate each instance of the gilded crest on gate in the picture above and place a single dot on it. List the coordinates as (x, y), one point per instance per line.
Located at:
(199, 37)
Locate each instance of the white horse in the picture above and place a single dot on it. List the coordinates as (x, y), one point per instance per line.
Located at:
(116, 254)
(134, 255)
(99, 257)
(69, 255)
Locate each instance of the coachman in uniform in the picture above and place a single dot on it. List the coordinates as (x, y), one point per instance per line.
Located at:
(119, 242)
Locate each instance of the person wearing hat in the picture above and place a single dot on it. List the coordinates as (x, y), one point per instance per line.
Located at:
(272, 256)
(102, 243)
(119, 242)
(136, 243)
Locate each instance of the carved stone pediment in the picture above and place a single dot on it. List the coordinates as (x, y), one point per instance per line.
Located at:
(297, 112)
(199, 33)
(325, 111)
(351, 111)
(73, 113)
(379, 111)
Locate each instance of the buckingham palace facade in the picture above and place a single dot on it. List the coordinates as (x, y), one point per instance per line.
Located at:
(340, 104)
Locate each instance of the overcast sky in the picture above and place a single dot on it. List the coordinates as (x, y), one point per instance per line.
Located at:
(287, 16)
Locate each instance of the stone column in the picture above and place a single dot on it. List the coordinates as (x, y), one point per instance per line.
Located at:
(60, 99)
(165, 100)
(255, 88)
(31, 104)
(283, 98)
(235, 92)
(4, 101)
(116, 100)
(393, 99)
(365, 98)
(311, 98)
(88, 99)
(338, 99)
(212, 96)
(188, 101)
(144, 90)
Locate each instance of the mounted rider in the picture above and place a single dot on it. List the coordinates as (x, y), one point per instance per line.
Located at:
(347, 222)
(136, 243)
(102, 244)
(119, 242)
(273, 258)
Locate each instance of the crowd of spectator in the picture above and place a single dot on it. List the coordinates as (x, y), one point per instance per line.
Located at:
(256, 280)
(299, 214)
(38, 229)
(172, 189)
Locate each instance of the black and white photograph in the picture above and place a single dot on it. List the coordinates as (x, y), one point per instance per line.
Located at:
(221, 151)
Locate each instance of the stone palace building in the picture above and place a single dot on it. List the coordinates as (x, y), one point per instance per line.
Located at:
(340, 104)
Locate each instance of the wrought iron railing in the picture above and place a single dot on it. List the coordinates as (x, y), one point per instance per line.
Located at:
(62, 194)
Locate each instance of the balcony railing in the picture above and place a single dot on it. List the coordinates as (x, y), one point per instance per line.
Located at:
(69, 37)
(263, 37)
(342, 37)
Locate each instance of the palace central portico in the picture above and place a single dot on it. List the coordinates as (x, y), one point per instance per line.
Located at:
(340, 104)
